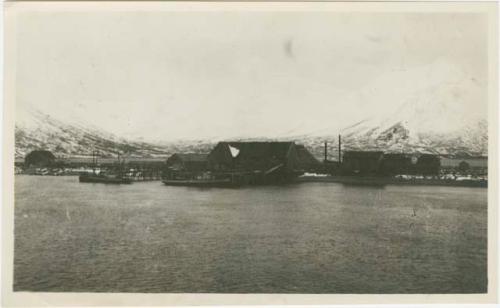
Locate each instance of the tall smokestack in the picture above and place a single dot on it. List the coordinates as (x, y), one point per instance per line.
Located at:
(326, 151)
(340, 150)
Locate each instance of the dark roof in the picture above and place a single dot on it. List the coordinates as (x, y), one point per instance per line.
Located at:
(425, 155)
(260, 150)
(396, 156)
(111, 160)
(192, 157)
(305, 157)
(425, 158)
(363, 154)
(39, 154)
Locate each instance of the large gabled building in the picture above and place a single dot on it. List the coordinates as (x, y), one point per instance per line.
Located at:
(267, 162)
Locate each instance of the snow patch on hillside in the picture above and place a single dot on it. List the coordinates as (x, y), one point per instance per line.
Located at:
(35, 130)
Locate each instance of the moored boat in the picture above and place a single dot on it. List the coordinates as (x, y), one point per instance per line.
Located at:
(202, 179)
(102, 178)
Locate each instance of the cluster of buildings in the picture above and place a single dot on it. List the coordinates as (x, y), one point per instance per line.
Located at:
(42, 162)
(288, 158)
(380, 163)
(251, 162)
(280, 161)
(270, 162)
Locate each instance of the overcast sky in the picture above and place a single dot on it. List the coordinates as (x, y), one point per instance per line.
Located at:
(166, 76)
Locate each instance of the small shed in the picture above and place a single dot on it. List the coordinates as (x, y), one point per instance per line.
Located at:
(474, 162)
(39, 159)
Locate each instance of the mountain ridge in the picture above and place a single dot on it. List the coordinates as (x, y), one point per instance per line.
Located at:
(41, 131)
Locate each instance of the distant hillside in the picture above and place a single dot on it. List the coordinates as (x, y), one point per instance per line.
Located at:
(436, 108)
(36, 130)
(472, 140)
(441, 119)
(469, 140)
(411, 128)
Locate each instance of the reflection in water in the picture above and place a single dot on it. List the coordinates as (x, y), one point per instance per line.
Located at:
(307, 238)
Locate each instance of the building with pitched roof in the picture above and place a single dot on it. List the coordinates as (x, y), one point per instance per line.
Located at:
(261, 162)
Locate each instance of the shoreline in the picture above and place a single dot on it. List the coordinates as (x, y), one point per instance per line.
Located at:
(382, 181)
(355, 181)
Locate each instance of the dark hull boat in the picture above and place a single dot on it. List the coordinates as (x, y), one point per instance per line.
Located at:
(93, 178)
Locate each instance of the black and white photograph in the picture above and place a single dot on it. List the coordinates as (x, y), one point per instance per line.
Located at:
(288, 148)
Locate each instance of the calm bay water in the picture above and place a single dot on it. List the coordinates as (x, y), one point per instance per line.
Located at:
(303, 238)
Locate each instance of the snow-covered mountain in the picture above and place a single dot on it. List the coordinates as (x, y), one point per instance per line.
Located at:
(445, 115)
(36, 130)
(470, 140)
(397, 135)
(441, 119)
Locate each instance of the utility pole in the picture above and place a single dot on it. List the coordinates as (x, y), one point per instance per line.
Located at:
(340, 150)
(326, 152)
